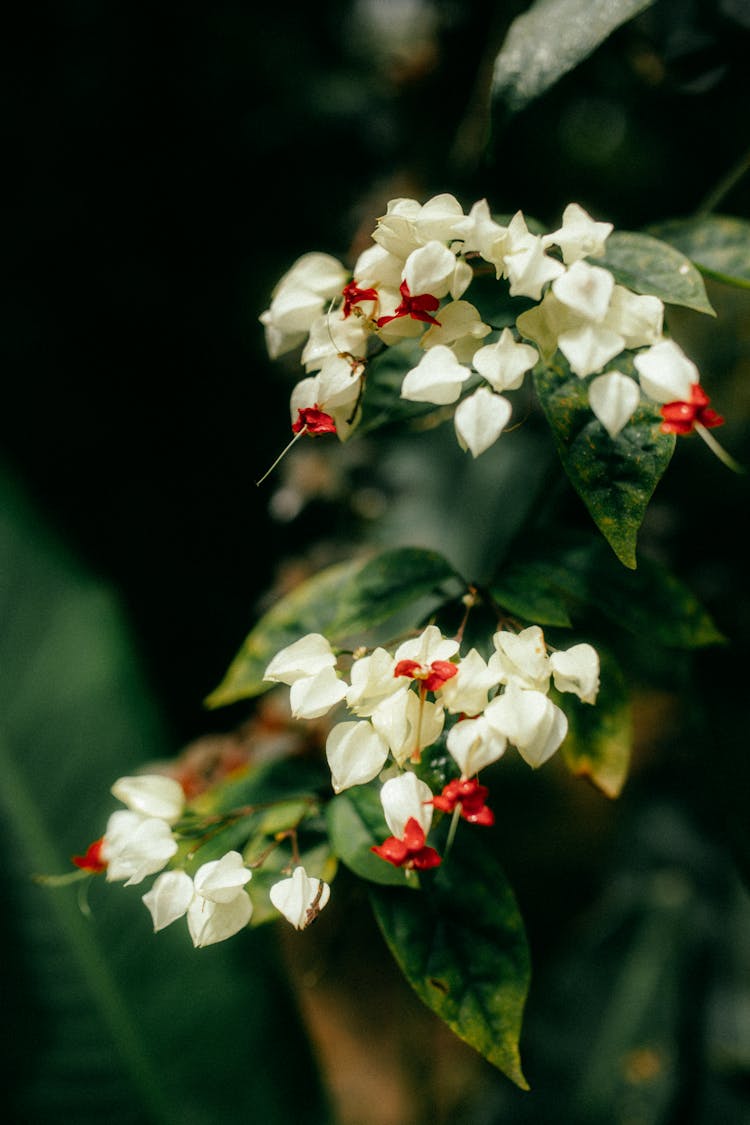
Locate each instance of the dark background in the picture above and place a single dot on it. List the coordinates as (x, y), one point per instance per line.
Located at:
(166, 163)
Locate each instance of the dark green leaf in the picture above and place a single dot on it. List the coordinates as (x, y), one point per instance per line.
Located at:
(460, 942)
(309, 608)
(649, 601)
(647, 265)
(356, 822)
(719, 245)
(599, 736)
(551, 38)
(529, 593)
(386, 584)
(615, 478)
(109, 1021)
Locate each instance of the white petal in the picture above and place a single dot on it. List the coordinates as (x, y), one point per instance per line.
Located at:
(405, 797)
(437, 378)
(458, 319)
(169, 898)
(529, 269)
(521, 658)
(314, 696)
(637, 317)
(428, 646)
(209, 922)
(466, 692)
(221, 880)
(372, 681)
(143, 851)
(480, 419)
(614, 398)
(666, 373)
(356, 754)
(299, 898)
(306, 657)
(505, 363)
(151, 795)
(430, 269)
(474, 744)
(579, 236)
(585, 289)
(577, 670)
(589, 347)
(530, 722)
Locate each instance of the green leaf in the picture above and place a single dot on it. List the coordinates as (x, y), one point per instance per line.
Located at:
(309, 608)
(650, 601)
(719, 245)
(386, 584)
(599, 738)
(109, 1021)
(356, 822)
(647, 265)
(615, 478)
(529, 593)
(460, 942)
(550, 39)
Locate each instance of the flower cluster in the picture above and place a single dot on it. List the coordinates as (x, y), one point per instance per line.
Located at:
(141, 840)
(410, 283)
(403, 701)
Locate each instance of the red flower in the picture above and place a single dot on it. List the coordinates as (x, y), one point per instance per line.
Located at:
(410, 852)
(433, 676)
(92, 860)
(314, 420)
(418, 308)
(683, 417)
(352, 295)
(468, 795)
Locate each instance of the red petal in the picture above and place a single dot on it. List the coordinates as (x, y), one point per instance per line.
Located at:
(392, 850)
(92, 859)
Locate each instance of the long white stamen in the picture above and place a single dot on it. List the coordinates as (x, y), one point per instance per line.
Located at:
(281, 455)
(719, 450)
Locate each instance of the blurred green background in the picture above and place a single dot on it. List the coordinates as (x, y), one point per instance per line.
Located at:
(166, 165)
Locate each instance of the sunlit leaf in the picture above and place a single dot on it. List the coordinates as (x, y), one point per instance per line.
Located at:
(309, 608)
(460, 942)
(551, 38)
(615, 478)
(719, 245)
(647, 265)
(599, 738)
(386, 584)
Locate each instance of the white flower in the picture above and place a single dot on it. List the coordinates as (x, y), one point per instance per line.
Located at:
(666, 373)
(580, 236)
(530, 722)
(504, 363)
(300, 898)
(480, 233)
(396, 231)
(408, 723)
(437, 378)
(577, 670)
(521, 658)
(403, 798)
(588, 347)
(356, 754)
(306, 657)
(428, 646)
(637, 317)
(585, 289)
(216, 903)
(372, 680)
(136, 846)
(314, 696)
(459, 321)
(430, 269)
(529, 269)
(466, 692)
(376, 266)
(546, 322)
(438, 218)
(298, 299)
(169, 898)
(614, 398)
(474, 744)
(221, 880)
(480, 419)
(209, 921)
(151, 795)
(331, 334)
